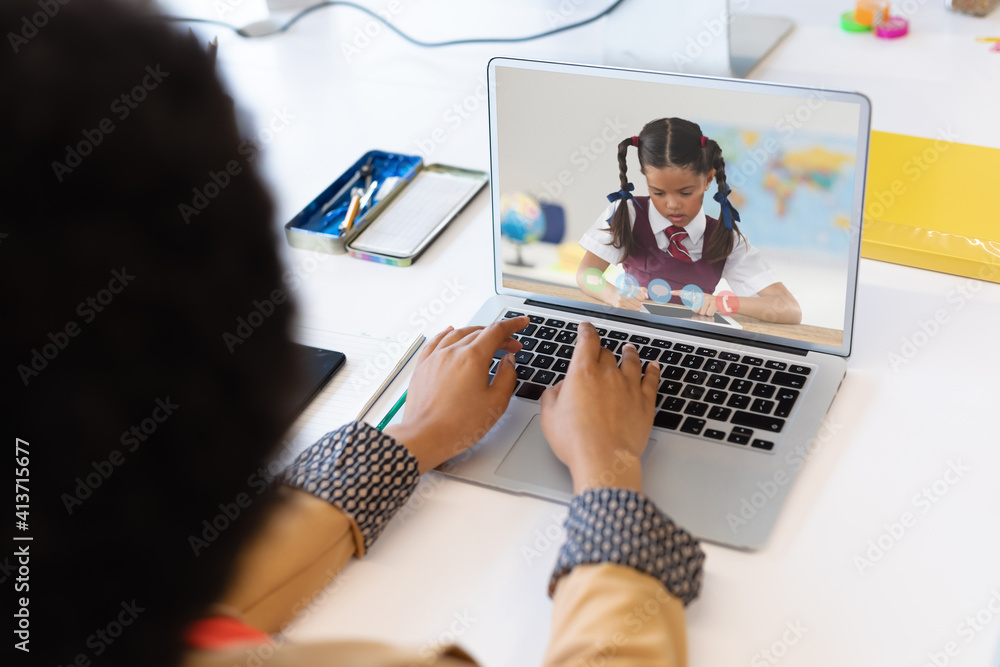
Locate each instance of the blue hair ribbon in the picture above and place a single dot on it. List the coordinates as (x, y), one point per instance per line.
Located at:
(729, 212)
(621, 195)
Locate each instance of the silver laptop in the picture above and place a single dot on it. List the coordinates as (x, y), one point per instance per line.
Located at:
(740, 398)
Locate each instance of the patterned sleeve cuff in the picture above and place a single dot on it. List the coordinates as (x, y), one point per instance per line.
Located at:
(625, 527)
(365, 473)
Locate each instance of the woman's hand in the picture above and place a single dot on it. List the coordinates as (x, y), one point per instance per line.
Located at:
(450, 402)
(615, 298)
(597, 420)
(704, 306)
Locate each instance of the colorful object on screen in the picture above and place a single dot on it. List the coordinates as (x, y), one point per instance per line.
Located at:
(659, 290)
(693, 297)
(522, 221)
(627, 285)
(727, 302)
(892, 28)
(593, 279)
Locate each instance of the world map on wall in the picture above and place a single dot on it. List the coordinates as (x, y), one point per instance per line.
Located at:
(791, 191)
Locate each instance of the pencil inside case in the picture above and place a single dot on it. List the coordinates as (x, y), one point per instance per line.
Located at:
(319, 226)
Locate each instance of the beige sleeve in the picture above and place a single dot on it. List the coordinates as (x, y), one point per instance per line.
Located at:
(615, 616)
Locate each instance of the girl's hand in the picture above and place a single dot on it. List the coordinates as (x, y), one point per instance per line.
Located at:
(616, 299)
(705, 308)
(450, 402)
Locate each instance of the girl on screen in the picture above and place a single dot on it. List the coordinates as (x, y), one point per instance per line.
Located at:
(671, 247)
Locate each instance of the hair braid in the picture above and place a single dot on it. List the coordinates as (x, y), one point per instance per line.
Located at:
(720, 246)
(621, 222)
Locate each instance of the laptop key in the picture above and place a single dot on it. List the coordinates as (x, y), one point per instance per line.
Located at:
(529, 330)
(670, 388)
(493, 366)
(544, 377)
(715, 435)
(674, 404)
(565, 337)
(660, 343)
(572, 326)
(738, 401)
(528, 343)
(761, 422)
(776, 365)
(719, 414)
(693, 425)
(763, 391)
(692, 361)
(559, 378)
(670, 357)
(741, 386)
(787, 395)
(561, 366)
(737, 370)
(546, 333)
(729, 356)
(649, 353)
(801, 370)
(511, 313)
(638, 340)
(715, 366)
(740, 436)
(541, 361)
(717, 381)
(618, 335)
(530, 391)
(672, 372)
(759, 375)
(547, 347)
(784, 409)
(523, 357)
(525, 372)
(684, 347)
(788, 380)
(601, 332)
(762, 444)
(716, 396)
(695, 377)
(763, 406)
(558, 324)
(565, 351)
(669, 420)
(609, 344)
(696, 408)
(753, 361)
(706, 351)
(694, 392)
(536, 319)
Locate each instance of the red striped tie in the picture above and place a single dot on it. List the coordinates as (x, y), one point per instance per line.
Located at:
(675, 235)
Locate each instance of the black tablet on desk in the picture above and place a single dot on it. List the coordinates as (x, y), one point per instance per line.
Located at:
(319, 366)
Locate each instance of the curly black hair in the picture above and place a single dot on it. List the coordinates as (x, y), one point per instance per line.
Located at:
(143, 427)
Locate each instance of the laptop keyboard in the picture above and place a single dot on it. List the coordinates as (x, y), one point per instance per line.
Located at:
(706, 391)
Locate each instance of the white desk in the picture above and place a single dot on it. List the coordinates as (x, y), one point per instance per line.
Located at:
(454, 568)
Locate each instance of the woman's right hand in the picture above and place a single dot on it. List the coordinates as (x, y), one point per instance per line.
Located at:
(615, 298)
(597, 420)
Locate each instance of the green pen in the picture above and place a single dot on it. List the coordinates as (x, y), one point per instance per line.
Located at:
(392, 412)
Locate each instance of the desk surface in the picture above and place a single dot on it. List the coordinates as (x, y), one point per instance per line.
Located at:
(918, 404)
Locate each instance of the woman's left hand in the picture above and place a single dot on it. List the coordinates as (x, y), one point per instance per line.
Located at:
(704, 306)
(450, 403)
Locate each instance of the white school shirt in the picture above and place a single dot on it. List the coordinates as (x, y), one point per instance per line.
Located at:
(746, 271)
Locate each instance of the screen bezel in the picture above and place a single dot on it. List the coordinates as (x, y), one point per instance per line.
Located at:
(717, 83)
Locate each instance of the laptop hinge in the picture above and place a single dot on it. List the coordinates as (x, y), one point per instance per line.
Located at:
(775, 347)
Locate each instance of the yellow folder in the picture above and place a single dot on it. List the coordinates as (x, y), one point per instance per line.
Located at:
(933, 204)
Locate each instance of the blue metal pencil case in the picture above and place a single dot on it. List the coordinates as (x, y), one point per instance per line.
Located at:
(367, 186)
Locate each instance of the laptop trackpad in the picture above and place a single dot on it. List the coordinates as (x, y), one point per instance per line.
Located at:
(531, 461)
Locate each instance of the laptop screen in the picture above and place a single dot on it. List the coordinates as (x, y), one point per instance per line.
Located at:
(606, 199)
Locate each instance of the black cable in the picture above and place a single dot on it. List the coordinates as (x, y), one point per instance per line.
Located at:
(382, 20)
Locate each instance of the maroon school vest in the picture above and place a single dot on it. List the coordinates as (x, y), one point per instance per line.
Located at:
(651, 262)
